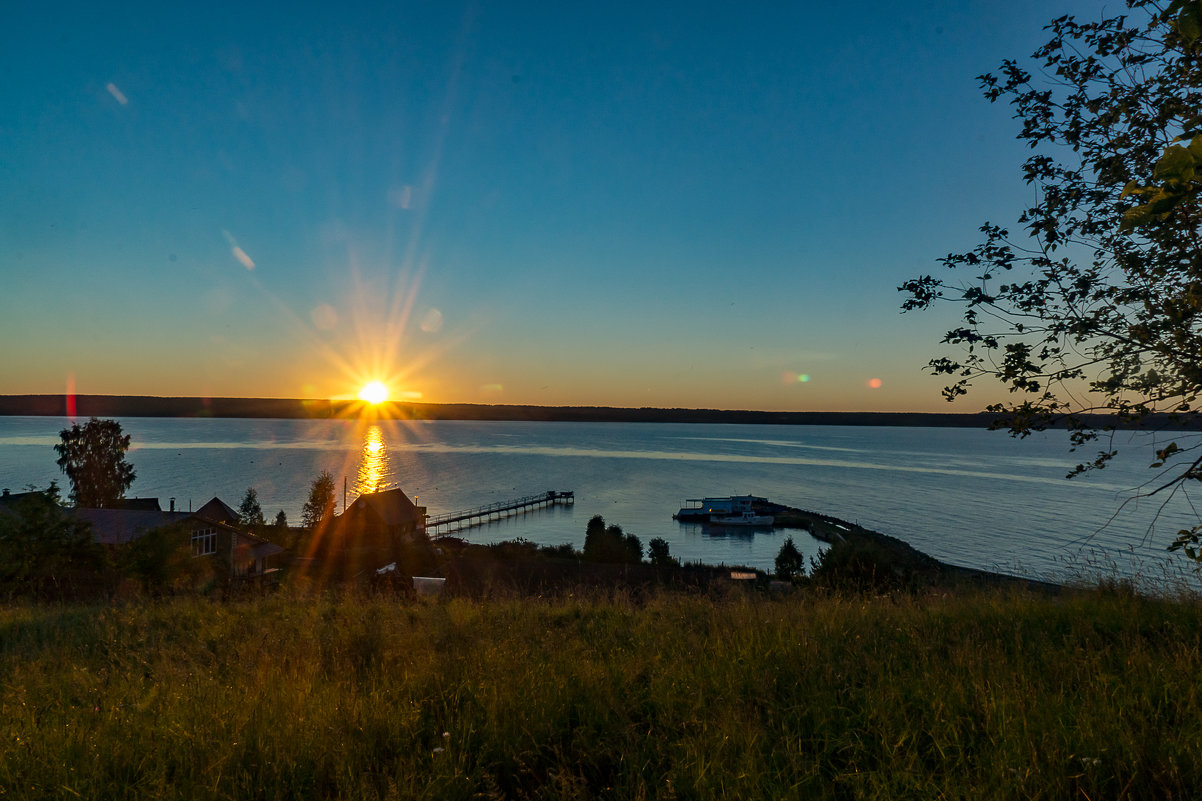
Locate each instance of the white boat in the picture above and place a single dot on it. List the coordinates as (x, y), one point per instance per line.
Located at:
(743, 519)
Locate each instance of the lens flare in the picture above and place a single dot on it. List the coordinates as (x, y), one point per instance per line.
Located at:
(117, 94)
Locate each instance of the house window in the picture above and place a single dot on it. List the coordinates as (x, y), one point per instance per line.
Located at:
(204, 541)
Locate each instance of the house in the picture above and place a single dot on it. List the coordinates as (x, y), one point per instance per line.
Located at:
(210, 532)
(9, 500)
(377, 529)
(385, 517)
(220, 511)
(146, 504)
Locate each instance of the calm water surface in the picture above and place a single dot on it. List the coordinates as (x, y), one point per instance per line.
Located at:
(970, 497)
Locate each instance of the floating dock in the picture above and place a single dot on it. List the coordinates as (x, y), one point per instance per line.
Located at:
(440, 525)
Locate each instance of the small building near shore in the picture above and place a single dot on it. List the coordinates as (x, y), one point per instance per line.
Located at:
(384, 518)
(379, 528)
(12, 500)
(210, 533)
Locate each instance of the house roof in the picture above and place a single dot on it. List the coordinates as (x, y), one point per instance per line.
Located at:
(392, 506)
(119, 526)
(219, 511)
(9, 500)
(259, 547)
(12, 498)
(145, 504)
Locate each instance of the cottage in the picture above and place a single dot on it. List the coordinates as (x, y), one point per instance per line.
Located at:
(11, 500)
(210, 532)
(378, 528)
(220, 511)
(147, 504)
(385, 517)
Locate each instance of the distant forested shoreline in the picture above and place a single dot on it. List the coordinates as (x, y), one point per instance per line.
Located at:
(294, 408)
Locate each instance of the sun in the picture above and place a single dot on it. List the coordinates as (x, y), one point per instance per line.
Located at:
(374, 392)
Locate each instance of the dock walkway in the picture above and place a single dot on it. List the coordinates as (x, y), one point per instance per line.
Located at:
(439, 525)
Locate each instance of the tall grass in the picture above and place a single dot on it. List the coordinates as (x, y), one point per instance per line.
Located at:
(978, 695)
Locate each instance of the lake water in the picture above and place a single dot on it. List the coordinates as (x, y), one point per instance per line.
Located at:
(969, 497)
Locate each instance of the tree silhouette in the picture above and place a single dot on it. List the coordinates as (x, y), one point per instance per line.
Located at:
(93, 457)
(789, 561)
(45, 550)
(250, 513)
(659, 553)
(609, 544)
(320, 505)
(1096, 304)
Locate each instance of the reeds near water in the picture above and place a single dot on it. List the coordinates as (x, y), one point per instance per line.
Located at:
(969, 695)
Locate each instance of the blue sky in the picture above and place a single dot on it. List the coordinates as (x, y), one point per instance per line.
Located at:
(667, 204)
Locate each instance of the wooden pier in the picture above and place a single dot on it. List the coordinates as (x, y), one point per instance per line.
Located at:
(440, 525)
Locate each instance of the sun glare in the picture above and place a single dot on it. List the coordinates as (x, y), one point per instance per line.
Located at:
(375, 392)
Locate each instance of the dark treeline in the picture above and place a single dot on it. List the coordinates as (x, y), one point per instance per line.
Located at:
(291, 408)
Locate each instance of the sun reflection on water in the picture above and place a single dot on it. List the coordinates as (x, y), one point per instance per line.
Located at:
(373, 467)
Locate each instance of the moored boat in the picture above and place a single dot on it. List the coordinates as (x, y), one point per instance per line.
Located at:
(743, 519)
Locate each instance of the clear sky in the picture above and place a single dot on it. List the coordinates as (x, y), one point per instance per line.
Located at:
(632, 204)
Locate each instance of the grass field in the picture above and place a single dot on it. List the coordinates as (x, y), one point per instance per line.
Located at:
(973, 694)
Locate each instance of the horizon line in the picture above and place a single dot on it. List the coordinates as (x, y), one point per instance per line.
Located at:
(167, 406)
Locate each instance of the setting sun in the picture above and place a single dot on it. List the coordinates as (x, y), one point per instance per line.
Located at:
(375, 392)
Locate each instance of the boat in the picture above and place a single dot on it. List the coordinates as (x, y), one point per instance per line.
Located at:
(746, 518)
(702, 510)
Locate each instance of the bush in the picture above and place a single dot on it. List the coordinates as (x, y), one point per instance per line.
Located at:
(608, 544)
(789, 562)
(659, 553)
(161, 561)
(564, 551)
(871, 565)
(47, 552)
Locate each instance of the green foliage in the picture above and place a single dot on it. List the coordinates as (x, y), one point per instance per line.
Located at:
(677, 696)
(563, 551)
(1189, 542)
(161, 561)
(1097, 307)
(281, 520)
(250, 513)
(659, 554)
(46, 551)
(789, 562)
(610, 544)
(513, 550)
(1178, 172)
(319, 508)
(93, 458)
(861, 565)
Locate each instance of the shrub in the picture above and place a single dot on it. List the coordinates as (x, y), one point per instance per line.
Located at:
(47, 552)
(659, 553)
(789, 561)
(609, 544)
(871, 565)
